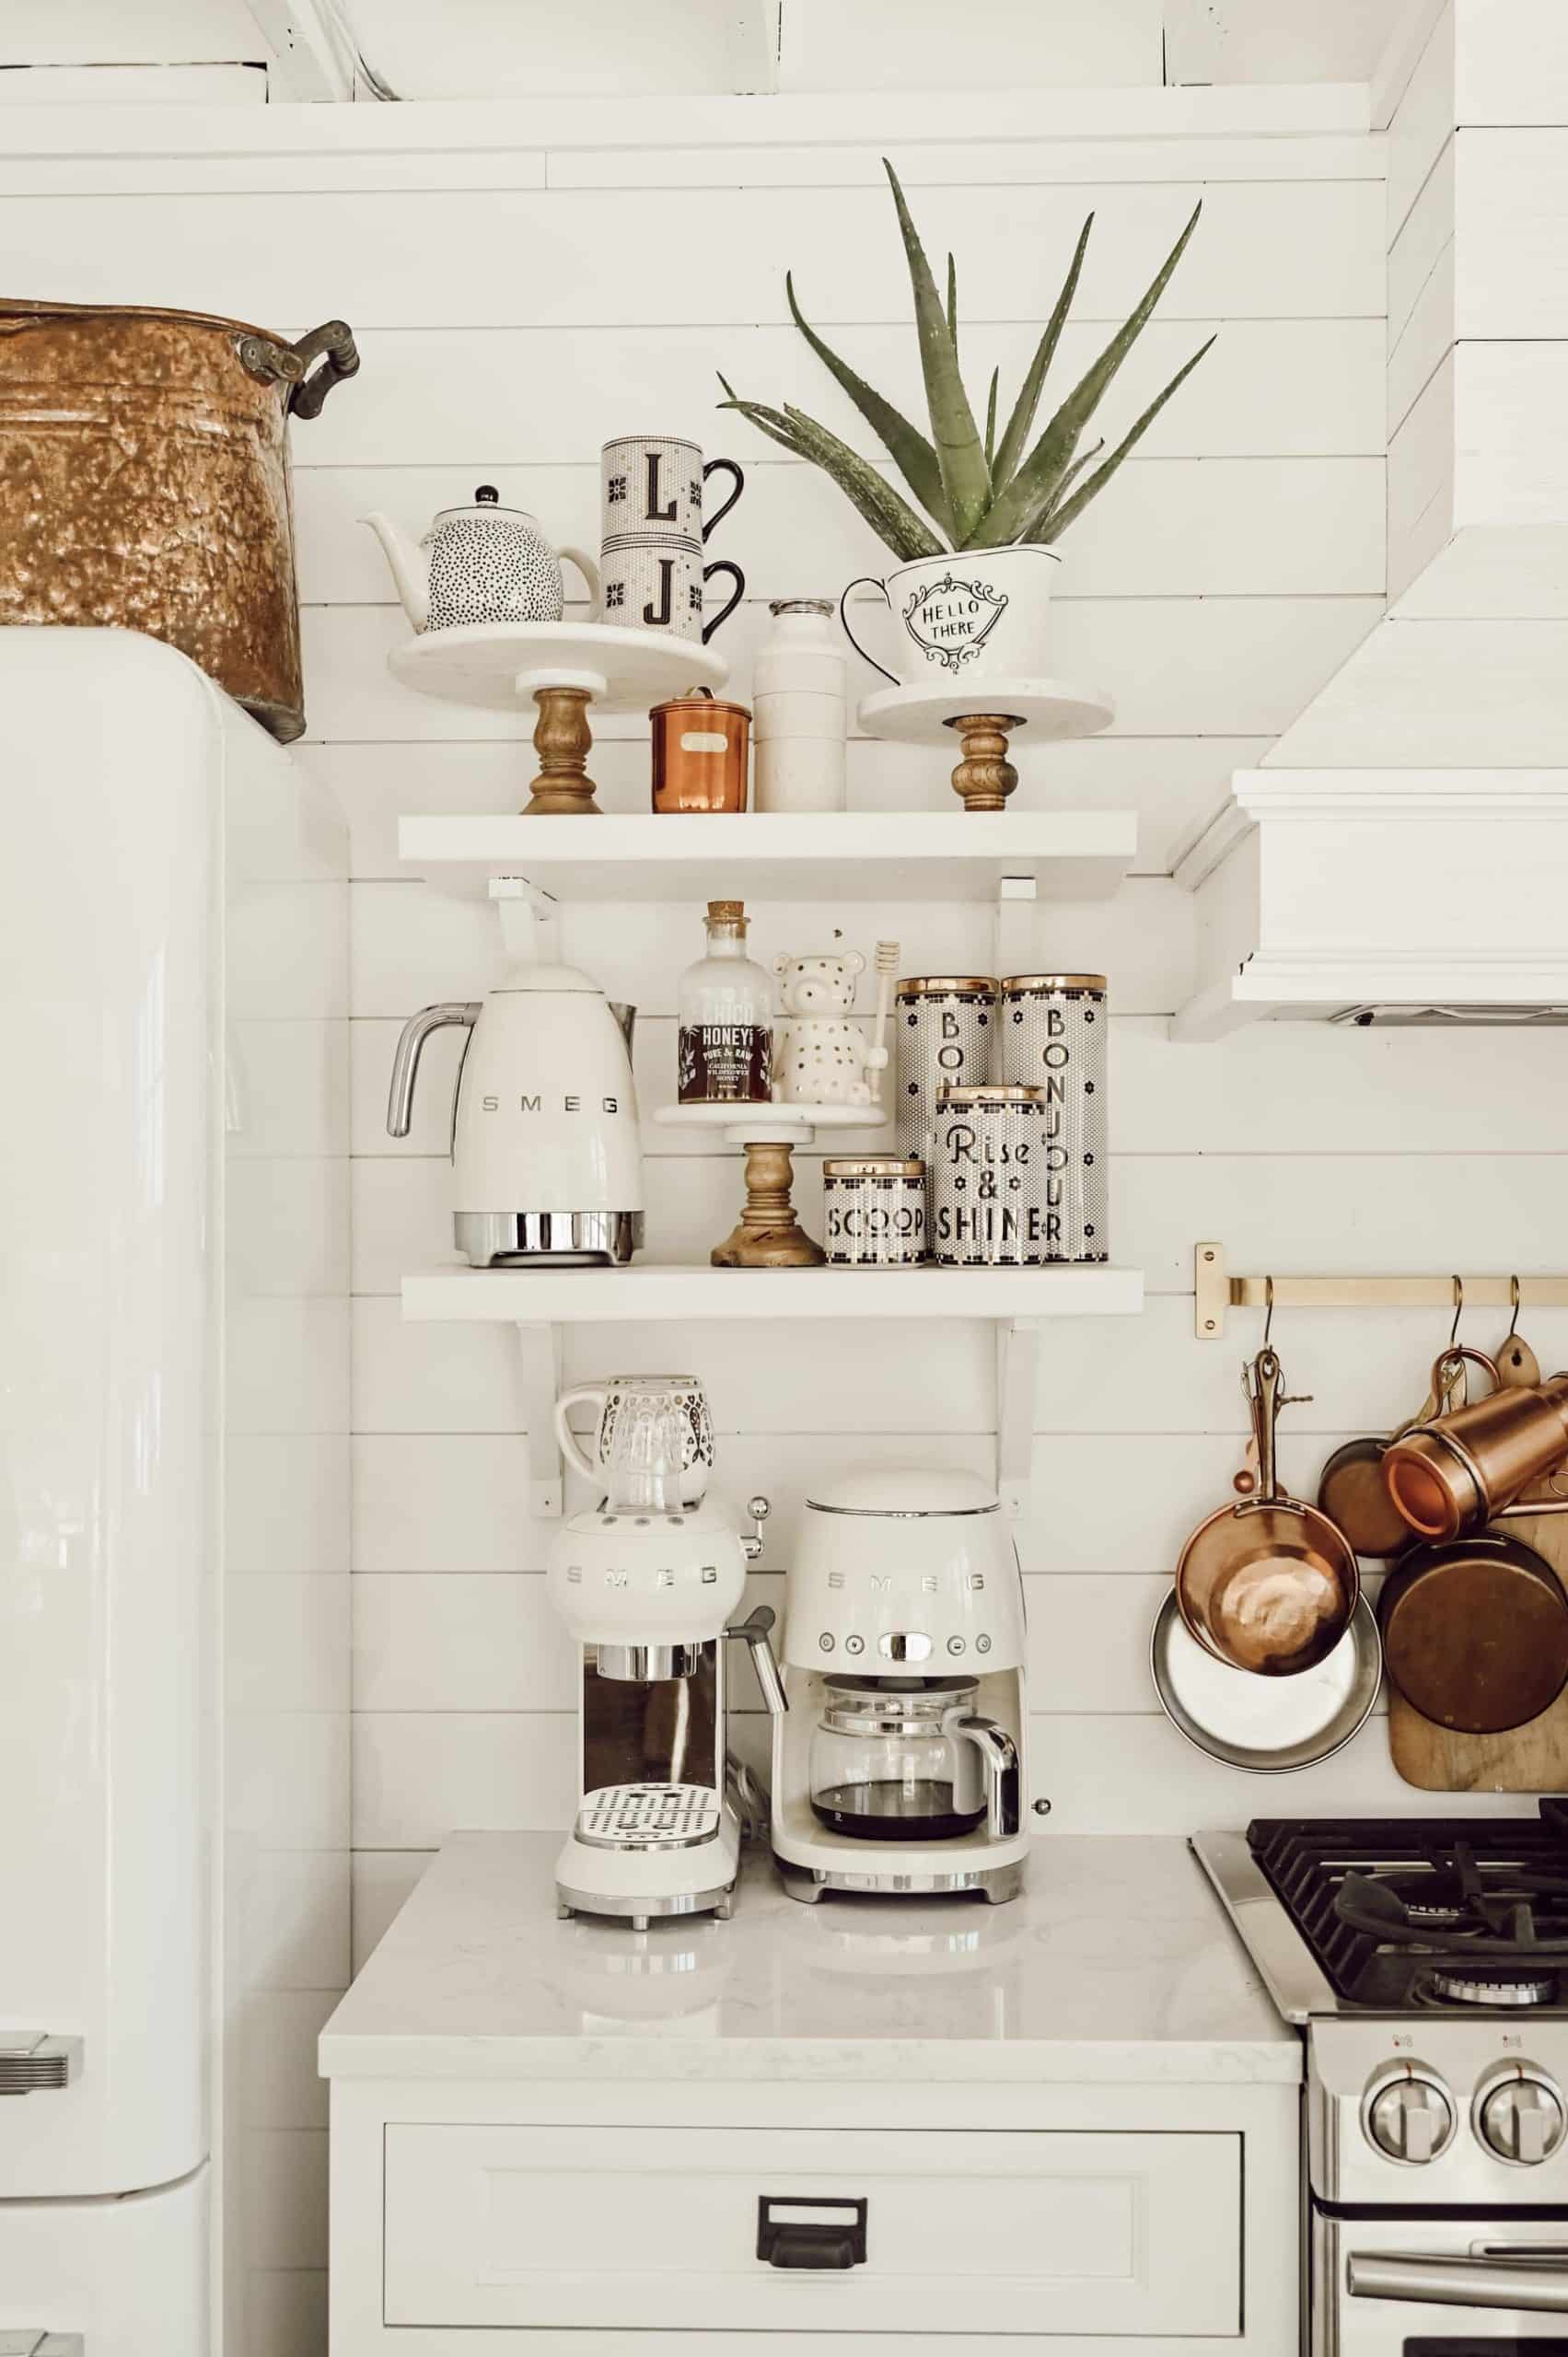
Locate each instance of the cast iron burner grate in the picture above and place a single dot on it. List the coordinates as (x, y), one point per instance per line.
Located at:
(1429, 1912)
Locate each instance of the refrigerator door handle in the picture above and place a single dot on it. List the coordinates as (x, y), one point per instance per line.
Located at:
(32, 2065)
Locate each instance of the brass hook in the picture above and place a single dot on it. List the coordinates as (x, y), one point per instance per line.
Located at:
(1458, 1310)
(1268, 1309)
(1514, 1303)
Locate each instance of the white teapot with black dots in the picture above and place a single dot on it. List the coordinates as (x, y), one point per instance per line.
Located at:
(482, 564)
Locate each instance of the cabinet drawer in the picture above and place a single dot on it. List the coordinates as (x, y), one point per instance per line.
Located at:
(657, 2228)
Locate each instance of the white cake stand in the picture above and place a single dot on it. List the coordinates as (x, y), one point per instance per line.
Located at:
(985, 714)
(564, 666)
(768, 1235)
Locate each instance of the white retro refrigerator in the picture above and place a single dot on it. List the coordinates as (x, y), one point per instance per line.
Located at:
(173, 1507)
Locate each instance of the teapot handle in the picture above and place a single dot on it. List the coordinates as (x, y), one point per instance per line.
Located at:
(589, 572)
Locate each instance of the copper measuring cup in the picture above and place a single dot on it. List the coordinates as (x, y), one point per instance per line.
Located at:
(1269, 1584)
(1450, 1477)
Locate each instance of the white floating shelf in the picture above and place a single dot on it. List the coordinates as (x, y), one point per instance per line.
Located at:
(835, 855)
(592, 1296)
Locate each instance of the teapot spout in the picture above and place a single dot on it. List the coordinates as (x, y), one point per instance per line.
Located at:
(410, 567)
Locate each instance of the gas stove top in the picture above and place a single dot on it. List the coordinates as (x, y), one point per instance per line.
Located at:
(1414, 1915)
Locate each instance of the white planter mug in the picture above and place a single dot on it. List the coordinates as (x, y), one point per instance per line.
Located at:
(977, 614)
(652, 1440)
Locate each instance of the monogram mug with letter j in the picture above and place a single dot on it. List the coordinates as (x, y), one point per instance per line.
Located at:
(653, 1439)
(974, 615)
(652, 534)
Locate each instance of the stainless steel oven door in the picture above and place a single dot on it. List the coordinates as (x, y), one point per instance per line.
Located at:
(1429, 2287)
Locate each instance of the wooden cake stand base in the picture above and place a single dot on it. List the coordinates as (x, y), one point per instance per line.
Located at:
(985, 717)
(768, 1235)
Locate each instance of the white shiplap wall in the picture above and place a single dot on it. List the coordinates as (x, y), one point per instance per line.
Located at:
(515, 306)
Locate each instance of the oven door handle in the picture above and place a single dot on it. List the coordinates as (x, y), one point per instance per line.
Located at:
(1538, 2286)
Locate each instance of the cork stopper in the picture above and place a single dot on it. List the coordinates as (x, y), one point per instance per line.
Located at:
(726, 912)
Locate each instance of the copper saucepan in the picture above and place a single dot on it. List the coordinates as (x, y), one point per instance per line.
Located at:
(1269, 1584)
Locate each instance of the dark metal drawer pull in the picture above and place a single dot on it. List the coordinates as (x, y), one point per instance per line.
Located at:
(813, 2241)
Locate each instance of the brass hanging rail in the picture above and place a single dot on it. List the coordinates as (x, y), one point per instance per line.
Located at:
(1215, 1291)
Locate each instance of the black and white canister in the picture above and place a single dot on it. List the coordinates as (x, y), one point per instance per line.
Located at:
(1053, 1036)
(874, 1212)
(945, 1026)
(989, 1208)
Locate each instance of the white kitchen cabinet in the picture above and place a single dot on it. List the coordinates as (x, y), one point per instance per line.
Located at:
(1069, 2124)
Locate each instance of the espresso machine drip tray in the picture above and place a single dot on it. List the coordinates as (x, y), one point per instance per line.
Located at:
(648, 1816)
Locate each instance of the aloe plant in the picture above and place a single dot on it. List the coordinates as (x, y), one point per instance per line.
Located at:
(977, 490)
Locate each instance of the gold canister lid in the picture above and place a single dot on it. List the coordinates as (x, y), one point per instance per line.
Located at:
(931, 985)
(1053, 982)
(992, 1092)
(876, 1166)
(699, 700)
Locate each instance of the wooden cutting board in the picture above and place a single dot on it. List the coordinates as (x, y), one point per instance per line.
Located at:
(1531, 1759)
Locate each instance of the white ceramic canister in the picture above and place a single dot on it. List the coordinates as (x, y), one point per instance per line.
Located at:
(800, 704)
(874, 1212)
(943, 1027)
(988, 1179)
(1053, 1035)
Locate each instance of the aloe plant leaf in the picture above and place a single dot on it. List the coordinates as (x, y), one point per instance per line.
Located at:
(1065, 510)
(1084, 459)
(889, 516)
(991, 417)
(906, 445)
(1018, 429)
(953, 303)
(1041, 474)
(959, 452)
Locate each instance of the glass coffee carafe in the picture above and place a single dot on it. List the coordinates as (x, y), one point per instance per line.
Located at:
(905, 1760)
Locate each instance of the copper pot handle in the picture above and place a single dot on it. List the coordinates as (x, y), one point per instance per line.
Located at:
(333, 344)
(1264, 1393)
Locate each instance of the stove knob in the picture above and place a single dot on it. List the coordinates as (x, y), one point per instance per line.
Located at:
(1519, 2114)
(1409, 2114)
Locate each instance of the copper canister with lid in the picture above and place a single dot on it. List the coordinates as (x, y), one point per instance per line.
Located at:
(701, 752)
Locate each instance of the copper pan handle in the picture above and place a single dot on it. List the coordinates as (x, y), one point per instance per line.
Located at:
(1265, 1398)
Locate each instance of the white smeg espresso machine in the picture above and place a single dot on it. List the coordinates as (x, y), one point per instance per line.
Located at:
(646, 1581)
(898, 1764)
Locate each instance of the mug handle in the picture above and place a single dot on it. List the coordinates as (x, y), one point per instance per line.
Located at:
(865, 581)
(563, 1432)
(719, 514)
(589, 572)
(724, 565)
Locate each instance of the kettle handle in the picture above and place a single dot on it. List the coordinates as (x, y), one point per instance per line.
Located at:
(999, 1766)
(405, 1061)
(590, 574)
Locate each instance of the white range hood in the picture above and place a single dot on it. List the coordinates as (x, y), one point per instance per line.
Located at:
(1434, 896)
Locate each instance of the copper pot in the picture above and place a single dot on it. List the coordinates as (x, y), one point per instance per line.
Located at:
(143, 484)
(1462, 1471)
(1269, 1584)
(1475, 1633)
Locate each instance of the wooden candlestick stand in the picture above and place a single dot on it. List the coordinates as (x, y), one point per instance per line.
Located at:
(985, 777)
(1052, 710)
(768, 1235)
(563, 740)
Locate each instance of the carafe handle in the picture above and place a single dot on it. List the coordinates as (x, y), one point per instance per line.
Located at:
(405, 1061)
(567, 1438)
(999, 1767)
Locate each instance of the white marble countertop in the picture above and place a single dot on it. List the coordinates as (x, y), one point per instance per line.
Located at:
(1115, 1964)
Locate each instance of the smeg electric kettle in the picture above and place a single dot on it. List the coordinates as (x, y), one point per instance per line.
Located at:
(547, 1168)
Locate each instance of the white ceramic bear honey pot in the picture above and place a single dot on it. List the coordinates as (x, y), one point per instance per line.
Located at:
(821, 1056)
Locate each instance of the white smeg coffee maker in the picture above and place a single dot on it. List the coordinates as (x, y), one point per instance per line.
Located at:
(646, 1581)
(898, 1765)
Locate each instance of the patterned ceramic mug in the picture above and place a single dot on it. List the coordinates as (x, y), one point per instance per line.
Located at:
(973, 615)
(652, 486)
(662, 587)
(653, 1441)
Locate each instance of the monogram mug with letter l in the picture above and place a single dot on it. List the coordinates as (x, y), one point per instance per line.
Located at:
(974, 615)
(652, 1440)
(653, 483)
